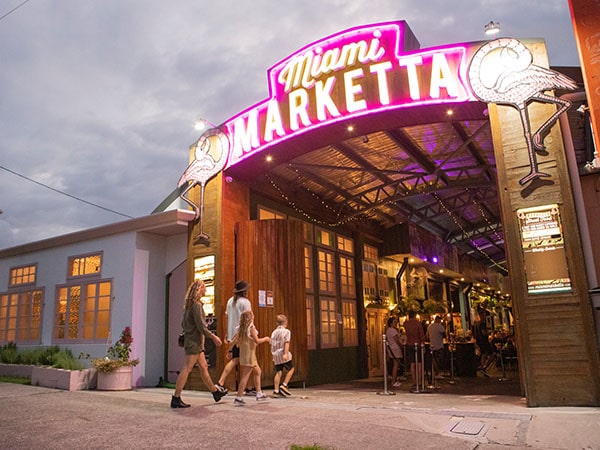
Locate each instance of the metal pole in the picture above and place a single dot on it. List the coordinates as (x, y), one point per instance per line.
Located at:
(417, 375)
(422, 365)
(385, 373)
(502, 364)
(432, 384)
(452, 349)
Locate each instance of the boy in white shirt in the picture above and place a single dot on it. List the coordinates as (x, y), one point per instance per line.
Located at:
(282, 357)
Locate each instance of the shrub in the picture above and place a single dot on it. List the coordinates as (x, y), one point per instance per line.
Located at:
(40, 356)
(65, 360)
(8, 353)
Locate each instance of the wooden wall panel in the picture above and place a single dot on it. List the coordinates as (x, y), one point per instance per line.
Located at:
(558, 353)
(270, 257)
(225, 204)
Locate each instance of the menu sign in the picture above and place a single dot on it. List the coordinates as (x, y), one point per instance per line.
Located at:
(542, 242)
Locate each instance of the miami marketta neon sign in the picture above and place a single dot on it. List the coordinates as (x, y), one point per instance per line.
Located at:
(356, 72)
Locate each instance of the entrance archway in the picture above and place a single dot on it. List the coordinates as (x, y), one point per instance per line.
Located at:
(414, 166)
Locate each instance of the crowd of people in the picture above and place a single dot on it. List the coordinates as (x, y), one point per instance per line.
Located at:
(404, 347)
(242, 338)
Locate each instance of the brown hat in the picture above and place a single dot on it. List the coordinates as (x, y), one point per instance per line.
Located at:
(240, 286)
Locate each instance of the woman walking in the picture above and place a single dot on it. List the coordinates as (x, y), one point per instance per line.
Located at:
(195, 331)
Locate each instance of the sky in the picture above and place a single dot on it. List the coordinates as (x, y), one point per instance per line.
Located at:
(98, 97)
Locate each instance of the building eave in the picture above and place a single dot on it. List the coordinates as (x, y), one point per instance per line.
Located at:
(166, 223)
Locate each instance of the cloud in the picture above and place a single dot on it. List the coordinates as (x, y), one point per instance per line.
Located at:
(98, 98)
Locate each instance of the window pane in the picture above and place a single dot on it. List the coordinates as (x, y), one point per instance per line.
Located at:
(103, 325)
(329, 337)
(345, 244)
(3, 313)
(22, 275)
(265, 214)
(310, 322)
(350, 323)
(325, 238)
(85, 265)
(370, 253)
(105, 288)
(326, 272)
(308, 268)
(83, 318)
(347, 277)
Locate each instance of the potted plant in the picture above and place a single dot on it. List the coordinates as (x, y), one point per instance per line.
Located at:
(116, 368)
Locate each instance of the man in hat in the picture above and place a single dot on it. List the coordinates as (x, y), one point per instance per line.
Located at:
(236, 305)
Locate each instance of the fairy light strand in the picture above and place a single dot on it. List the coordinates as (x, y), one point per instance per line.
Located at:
(459, 225)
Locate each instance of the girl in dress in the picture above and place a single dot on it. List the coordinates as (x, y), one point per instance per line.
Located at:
(246, 338)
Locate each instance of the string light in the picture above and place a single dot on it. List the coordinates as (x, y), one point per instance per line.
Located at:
(459, 225)
(346, 220)
(485, 218)
(309, 217)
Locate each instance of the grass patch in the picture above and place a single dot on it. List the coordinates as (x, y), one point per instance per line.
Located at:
(15, 380)
(165, 384)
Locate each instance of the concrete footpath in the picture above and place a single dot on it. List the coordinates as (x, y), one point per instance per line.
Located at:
(355, 415)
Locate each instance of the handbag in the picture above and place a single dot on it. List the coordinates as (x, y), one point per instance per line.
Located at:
(180, 339)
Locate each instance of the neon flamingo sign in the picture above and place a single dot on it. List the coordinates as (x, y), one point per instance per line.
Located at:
(349, 74)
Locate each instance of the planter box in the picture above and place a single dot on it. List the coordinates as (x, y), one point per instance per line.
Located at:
(118, 380)
(70, 380)
(16, 370)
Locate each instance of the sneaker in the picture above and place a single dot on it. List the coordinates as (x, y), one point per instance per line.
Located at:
(239, 401)
(278, 394)
(260, 396)
(176, 402)
(396, 384)
(220, 387)
(218, 395)
(283, 388)
(250, 392)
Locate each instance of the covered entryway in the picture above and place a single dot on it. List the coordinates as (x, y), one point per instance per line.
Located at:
(412, 191)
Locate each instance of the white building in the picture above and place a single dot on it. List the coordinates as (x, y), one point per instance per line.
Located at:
(80, 290)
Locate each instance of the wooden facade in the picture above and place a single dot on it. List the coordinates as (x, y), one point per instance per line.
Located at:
(270, 257)
(555, 332)
(558, 349)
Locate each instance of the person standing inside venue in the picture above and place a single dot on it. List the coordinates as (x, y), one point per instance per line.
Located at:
(195, 331)
(415, 336)
(236, 305)
(282, 357)
(436, 333)
(246, 338)
(394, 348)
(482, 340)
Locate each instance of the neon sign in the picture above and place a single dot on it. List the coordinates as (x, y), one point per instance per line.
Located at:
(349, 74)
